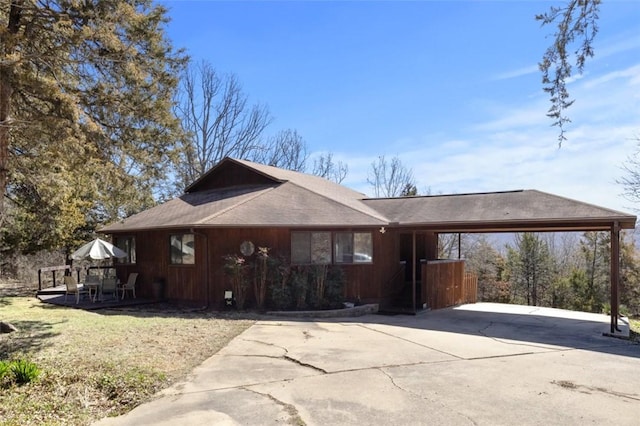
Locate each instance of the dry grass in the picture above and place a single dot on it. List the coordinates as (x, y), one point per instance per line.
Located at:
(102, 363)
(634, 325)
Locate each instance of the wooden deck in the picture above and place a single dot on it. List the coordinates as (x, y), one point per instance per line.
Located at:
(55, 296)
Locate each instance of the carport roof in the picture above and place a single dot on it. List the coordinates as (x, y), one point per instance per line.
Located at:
(521, 210)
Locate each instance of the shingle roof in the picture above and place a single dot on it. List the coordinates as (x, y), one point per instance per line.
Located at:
(498, 210)
(298, 200)
(285, 198)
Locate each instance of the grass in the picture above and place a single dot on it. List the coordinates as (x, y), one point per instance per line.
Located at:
(634, 326)
(102, 363)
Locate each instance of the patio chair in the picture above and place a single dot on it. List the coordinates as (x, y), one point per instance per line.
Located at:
(130, 285)
(92, 284)
(73, 288)
(109, 287)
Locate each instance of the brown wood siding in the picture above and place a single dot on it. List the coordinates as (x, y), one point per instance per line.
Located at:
(205, 282)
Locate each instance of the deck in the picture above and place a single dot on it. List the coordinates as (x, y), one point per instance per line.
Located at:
(55, 296)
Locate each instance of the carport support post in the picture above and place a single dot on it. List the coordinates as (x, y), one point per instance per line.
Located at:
(413, 273)
(615, 275)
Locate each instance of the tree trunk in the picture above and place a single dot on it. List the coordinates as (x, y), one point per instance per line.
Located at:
(5, 96)
(7, 47)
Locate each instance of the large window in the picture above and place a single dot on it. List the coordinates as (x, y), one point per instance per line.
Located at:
(128, 245)
(353, 247)
(316, 247)
(183, 249)
(310, 247)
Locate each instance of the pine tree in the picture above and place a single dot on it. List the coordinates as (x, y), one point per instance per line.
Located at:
(86, 127)
(530, 268)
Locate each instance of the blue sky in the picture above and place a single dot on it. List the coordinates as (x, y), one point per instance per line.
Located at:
(450, 87)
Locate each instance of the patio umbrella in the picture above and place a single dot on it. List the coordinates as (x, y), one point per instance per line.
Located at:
(99, 250)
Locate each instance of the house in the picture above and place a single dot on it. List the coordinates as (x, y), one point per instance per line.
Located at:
(381, 243)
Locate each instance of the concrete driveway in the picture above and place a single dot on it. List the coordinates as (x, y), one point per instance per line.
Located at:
(482, 364)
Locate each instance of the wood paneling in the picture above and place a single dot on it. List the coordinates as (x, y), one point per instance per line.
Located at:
(446, 284)
(204, 282)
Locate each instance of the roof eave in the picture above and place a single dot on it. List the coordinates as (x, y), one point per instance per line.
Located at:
(572, 224)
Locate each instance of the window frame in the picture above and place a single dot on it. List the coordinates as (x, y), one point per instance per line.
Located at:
(353, 244)
(319, 256)
(331, 259)
(173, 256)
(128, 247)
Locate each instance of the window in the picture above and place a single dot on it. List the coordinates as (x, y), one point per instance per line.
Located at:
(315, 247)
(128, 245)
(182, 249)
(310, 247)
(353, 247)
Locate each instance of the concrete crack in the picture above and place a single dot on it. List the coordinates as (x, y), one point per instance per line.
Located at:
(425, 398)
(566, 384)
(304, 364)
(266, 344)
(482, 333)
(290, 409)
(284, 356)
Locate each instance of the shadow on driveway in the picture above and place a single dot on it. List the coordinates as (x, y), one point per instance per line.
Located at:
(528, 325)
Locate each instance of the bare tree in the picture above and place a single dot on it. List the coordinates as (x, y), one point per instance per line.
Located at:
(631, 182)
(217, 120)
(325, 167)
(286, 150)
(390, 179)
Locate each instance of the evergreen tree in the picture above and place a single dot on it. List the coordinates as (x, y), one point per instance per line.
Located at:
(488, 264)
(592, 291)
(86, 127)
(530, 268)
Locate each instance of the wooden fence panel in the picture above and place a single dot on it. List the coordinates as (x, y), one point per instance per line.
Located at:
(470, 286)
(447, 284)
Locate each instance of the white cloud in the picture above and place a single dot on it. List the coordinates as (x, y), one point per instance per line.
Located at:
(520, 72)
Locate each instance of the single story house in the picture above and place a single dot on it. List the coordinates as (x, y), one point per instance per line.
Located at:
(382, 243)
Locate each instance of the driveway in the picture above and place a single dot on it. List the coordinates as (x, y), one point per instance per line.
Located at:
(482, 364)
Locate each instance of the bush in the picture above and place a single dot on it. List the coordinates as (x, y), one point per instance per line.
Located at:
(24, 371)
(334, 288)
(304, 287)
(4, 370)
(19, 371)
(299, 287)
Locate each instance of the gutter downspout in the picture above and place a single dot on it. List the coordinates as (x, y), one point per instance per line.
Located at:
(413, 272)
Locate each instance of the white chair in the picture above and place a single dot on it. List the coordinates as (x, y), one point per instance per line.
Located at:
(73, 288)
(109, 287)
(130, 285)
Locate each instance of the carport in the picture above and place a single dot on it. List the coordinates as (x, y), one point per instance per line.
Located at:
(508, 212)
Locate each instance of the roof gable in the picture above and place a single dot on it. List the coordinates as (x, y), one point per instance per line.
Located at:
(229, 173)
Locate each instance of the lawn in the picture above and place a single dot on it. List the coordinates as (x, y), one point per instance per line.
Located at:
(102, 363)
(634, 324)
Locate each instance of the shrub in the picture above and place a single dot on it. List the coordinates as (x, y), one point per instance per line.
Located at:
(235, 267)
(4, 369)
(334, 288)
(19, 371)
(24, 371)
(280, 294)
(300, 286)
